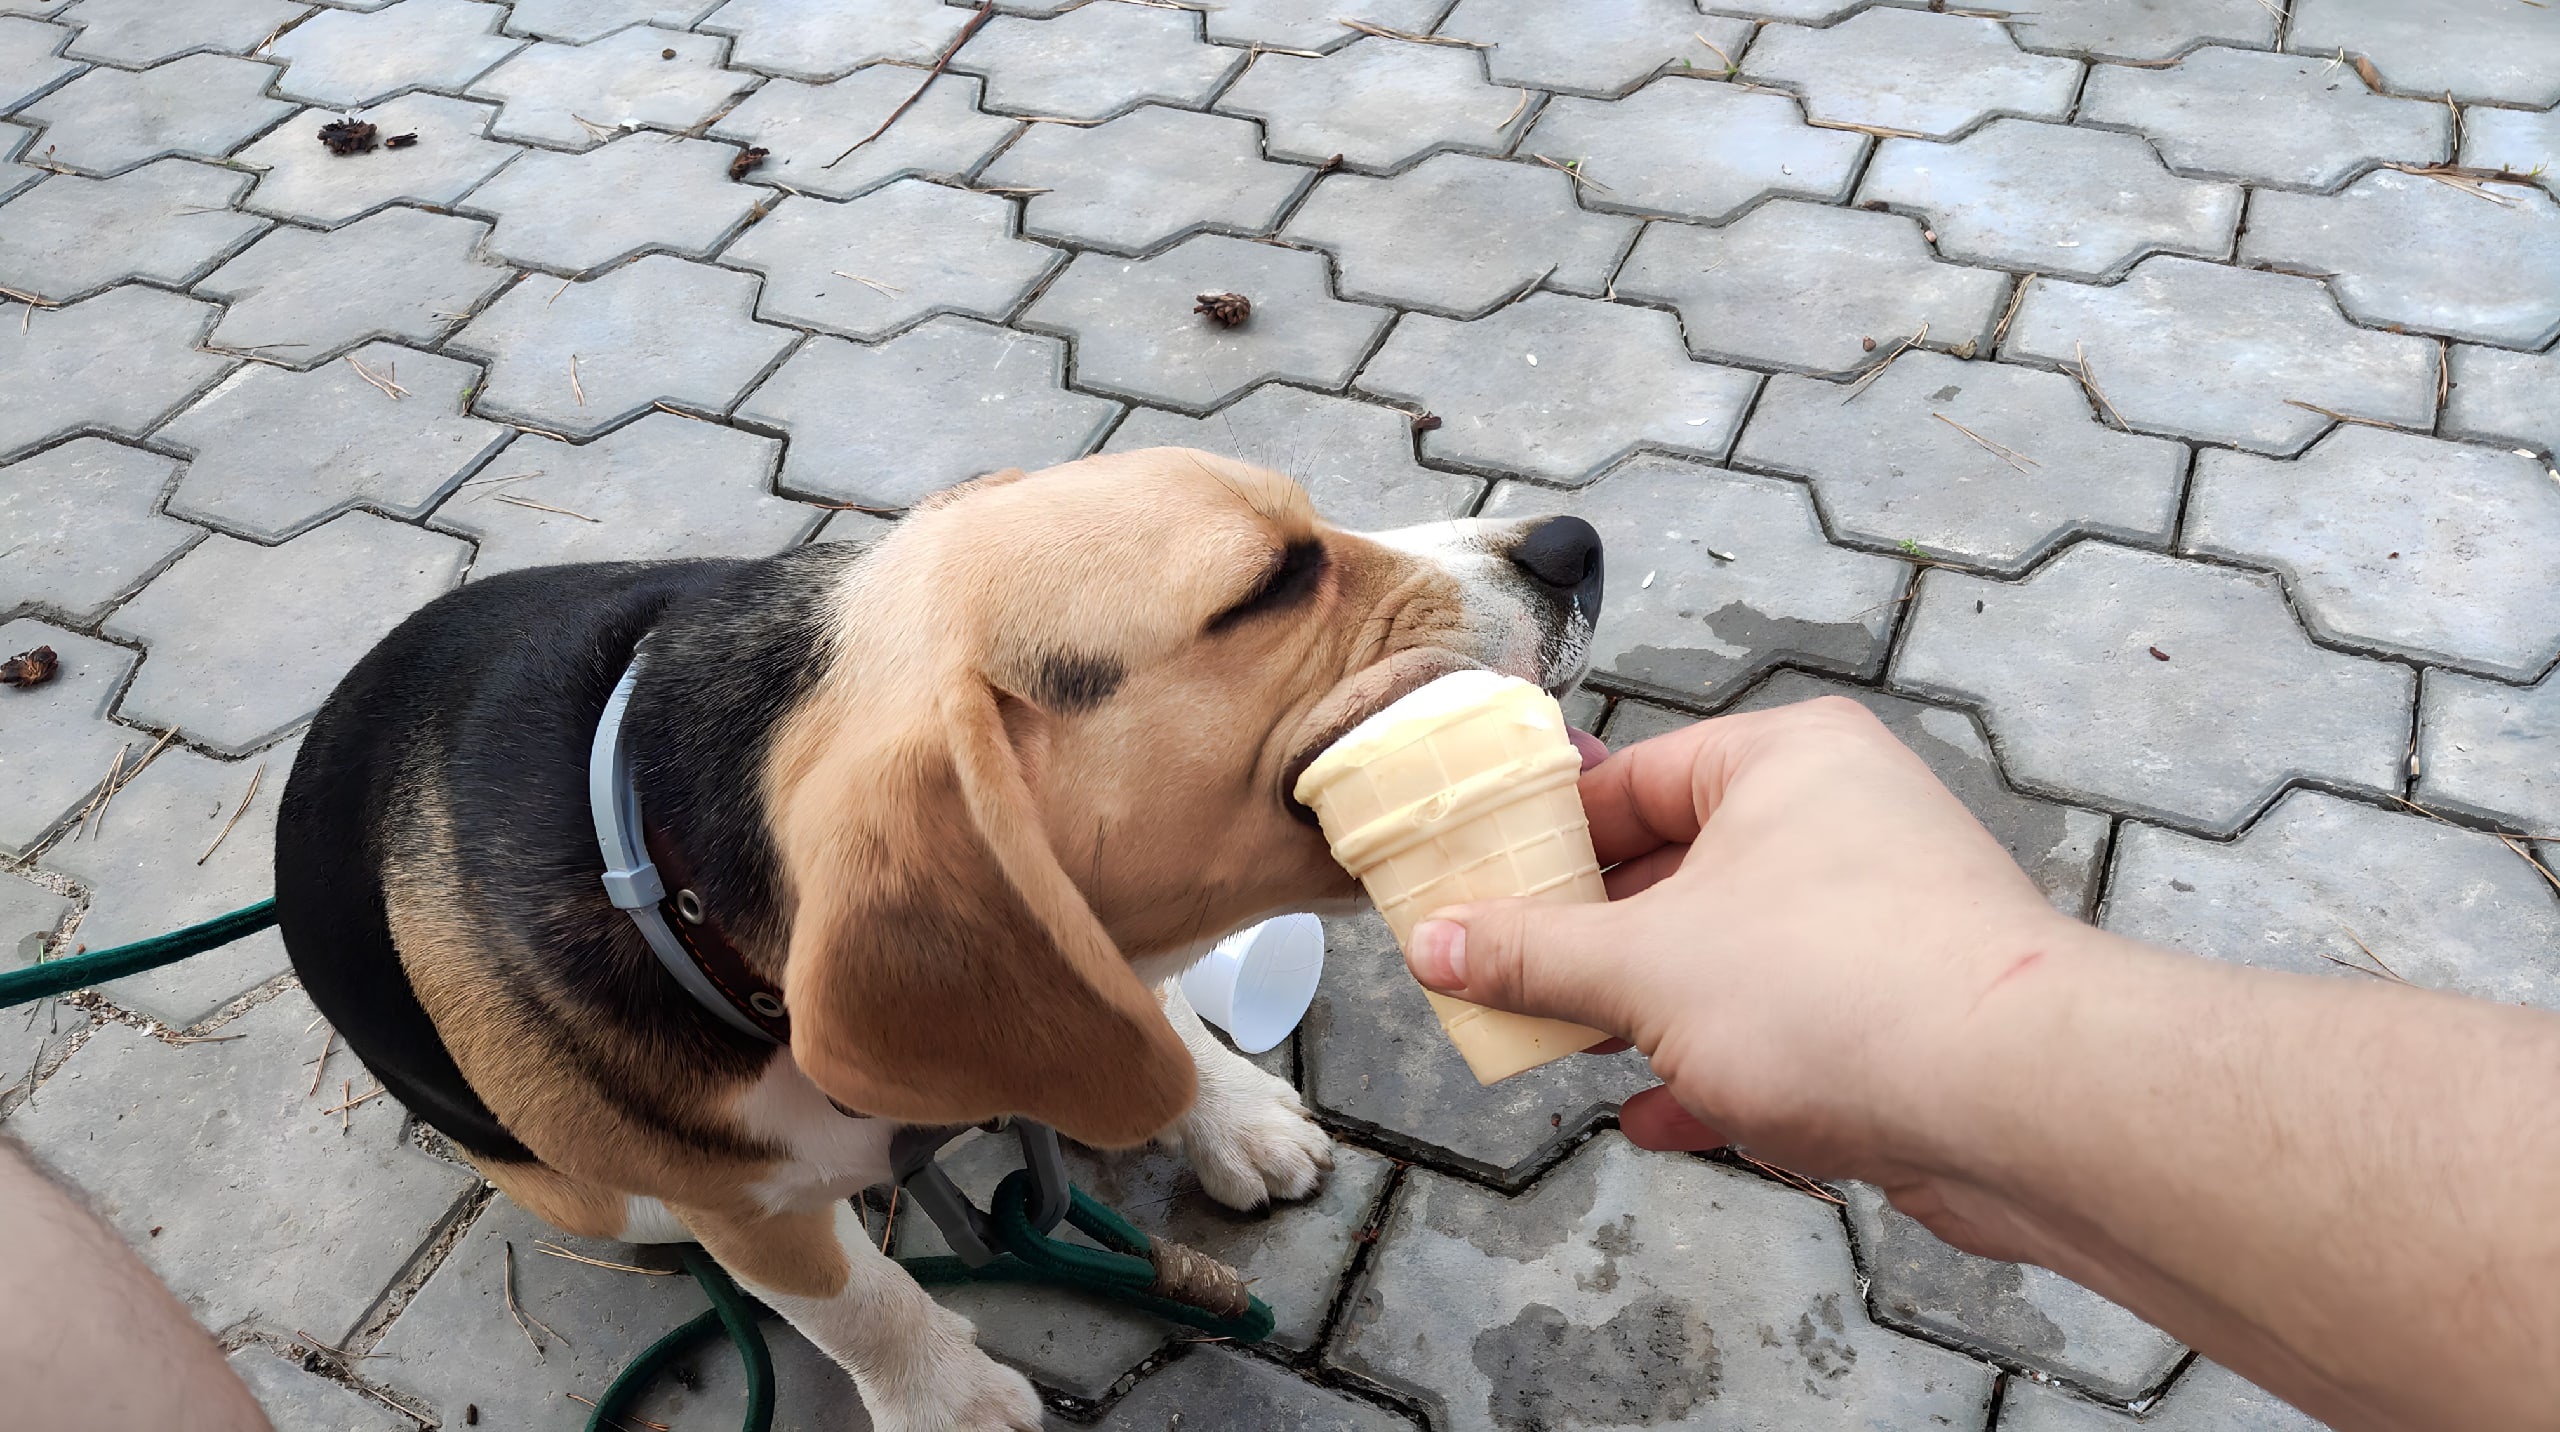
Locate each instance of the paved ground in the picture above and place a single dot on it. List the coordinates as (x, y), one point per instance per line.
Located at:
(2190, 510)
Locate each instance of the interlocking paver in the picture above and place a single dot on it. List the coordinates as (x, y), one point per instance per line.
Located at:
(274, 451)
(30, 59)
(1804, 286)
(873, 266)
(1216, 1388)
(665, 486)
(1722, 575)
(2409, 251)
(117, 363)
(1136, 336)
(1693, 149)
(941, 403)
(2491, 749)
(2507, 398)
(1811, 12)
(1378, 103)
(1599, 47)
(2266, 118)
(1910, 70)
(2019, 1313)
(1633, 1289)
(2209, 1398)
(2412, 545)
(303, 180)
(1146, 177)
(246, 640)
(808, 128)
(821, 39)
(350, 58)
(2148, 30)
(135, 33)
(109, 120)
(1457, 234)
(299, 296)
(1558, 388)
(1096, 60)
(55, 740)
(2210, 352)
(1355, 459)
(2062, 667)
(299, 1401)
(2522, 141)
(576, 96)
(573, 213)
(2470, 49)
(2320, 879)
(1313, 24)
(2052, 198)
(578, 21)
(579, 358)
(1896, 467)
(87, 517)
(30, 916)
(168, 221)
(16, 145)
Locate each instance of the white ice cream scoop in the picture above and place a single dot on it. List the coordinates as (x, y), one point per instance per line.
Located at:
(1257, 983)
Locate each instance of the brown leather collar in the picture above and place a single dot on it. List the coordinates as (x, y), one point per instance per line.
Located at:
(698, 930)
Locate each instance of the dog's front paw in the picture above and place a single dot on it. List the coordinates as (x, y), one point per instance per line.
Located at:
(964, 1391)
(1251, 1140)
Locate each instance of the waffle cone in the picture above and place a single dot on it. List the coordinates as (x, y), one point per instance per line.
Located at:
(1465, 790)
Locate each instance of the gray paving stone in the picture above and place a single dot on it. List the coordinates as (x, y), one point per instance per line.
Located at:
(2402, 252)
(86, 516)
(109, 120)
(620, 82)
(1926, 74)
(2407, 544)
(299, 1401)
(298, 296)
(303, 180)
(1721, 575)
(1144, 178)
(1378, 103)
(929, 249)
(1558, 388)
(1694, 149)
(30, 915)
(265, 1210)
(1599, 47)
(246, 640)
(807, 127)
(1636, 1289)
(2021, 1314)
(663, 487)
(1457, 234)
(2516, 139)
(2061, 667)
(1217, 1388)
(1096, 60)
(30, 59)
(572, 213)
(884, 427)
(1893, 467)
(55, 740)
(821, 39)
(116, 363)
(2471, 49)
(811, 1393)
(2443, 907)
(2210, 1398)
(1136, 336)
(1804, 286)
(1810, 12)
(1355, 459)
(2266, 118)
(2050, 198)
(2148, 30)
(657, 329)
(276, 452)
(2491, 749)
(135, 33)
(578, 21)
(17, 144)
(1313, 24)
(2211, 352)
(349, 58)
(167, 221)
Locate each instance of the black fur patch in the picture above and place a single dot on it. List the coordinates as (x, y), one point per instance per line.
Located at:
(1069, 684)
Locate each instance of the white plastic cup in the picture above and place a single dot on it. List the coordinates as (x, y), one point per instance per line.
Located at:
(1256, 984)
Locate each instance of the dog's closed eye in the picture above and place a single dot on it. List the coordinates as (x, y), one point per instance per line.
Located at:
(1292, 578)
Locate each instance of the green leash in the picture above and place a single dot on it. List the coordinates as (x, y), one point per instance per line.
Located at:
(1129, 1267)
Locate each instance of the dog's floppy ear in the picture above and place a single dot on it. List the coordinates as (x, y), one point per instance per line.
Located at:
(943, 966)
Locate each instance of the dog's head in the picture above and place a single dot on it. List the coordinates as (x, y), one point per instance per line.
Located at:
(1060, 735)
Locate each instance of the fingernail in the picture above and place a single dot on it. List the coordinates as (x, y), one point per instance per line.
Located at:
(1440, 954)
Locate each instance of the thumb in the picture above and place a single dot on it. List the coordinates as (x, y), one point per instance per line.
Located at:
(1561, 961)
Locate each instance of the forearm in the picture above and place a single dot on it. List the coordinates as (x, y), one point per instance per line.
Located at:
(2344, 1191)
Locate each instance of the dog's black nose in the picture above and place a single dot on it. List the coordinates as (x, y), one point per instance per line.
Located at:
(1563, 553)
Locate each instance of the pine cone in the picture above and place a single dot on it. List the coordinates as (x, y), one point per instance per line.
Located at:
(1225, 309)
(347, 136)
(747, 159)
(30, 668)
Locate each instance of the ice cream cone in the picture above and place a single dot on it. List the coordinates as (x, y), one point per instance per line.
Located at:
(1463, 790)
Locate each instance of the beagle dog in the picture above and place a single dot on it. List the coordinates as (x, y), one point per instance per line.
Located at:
(960, 804)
